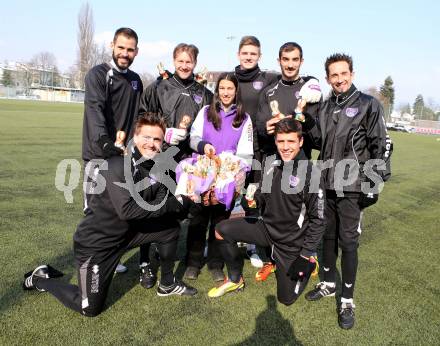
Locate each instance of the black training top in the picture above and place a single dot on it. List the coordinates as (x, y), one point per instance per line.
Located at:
(111, 104)
(286, 94)
(284, 188)
(175, 98)
(112, 213)
(351, 127)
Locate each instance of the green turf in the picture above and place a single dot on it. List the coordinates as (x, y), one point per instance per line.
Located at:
(397, 290)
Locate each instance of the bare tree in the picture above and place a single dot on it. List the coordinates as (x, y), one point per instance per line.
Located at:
(44, 61)
(25, 77)
(101, 54)
(86, 45)
(372, 91)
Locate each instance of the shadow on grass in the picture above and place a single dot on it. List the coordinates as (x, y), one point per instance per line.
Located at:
(15, 293)
(271, 328)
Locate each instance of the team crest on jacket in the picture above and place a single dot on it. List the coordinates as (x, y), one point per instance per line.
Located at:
(293, 181)
(134, 85)
(197, 98)
(297, 95)
(258, 85)
(351, 112)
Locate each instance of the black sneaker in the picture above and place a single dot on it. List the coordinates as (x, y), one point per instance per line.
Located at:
(191, 273)
(217, 274)
(40, 272)
(178, 288)
(147, 277)
(346, 316)
(321, 290)
(44, 271)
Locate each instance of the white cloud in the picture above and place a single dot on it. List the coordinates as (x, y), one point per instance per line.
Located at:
(155, 50)
(151, 53)
(104, 37)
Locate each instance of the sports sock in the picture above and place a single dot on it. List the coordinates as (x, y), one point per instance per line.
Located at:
(349, 263)
(330, 254)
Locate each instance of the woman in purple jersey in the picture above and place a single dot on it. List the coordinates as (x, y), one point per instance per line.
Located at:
(221, 126)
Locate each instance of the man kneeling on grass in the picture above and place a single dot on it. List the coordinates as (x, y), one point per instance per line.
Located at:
(120, 218)
(286, 185)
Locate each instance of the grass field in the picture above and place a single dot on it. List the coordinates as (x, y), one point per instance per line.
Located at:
(397, 290)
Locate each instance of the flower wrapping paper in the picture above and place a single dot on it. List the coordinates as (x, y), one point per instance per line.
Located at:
(199, 173)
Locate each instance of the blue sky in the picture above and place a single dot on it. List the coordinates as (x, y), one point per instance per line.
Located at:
(400, 39)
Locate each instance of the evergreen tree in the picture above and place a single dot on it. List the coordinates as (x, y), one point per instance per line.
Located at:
(7, 79)
(387, 96)
(418, 106)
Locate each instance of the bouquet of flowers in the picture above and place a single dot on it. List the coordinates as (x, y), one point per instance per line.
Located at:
(221, 175)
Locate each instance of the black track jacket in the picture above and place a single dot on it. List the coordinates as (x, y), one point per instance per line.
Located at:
(113, 212)
(351, 126)
(281, 202)
(111, 104)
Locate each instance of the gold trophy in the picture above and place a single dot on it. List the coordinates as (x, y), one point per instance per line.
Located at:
(162, 71)
(185, 122)
(200, 77)
(250, 194)
(274, 106)
(120, 138)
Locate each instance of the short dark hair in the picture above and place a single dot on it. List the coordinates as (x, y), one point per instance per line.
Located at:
(288, 47)
(191, 49)
(249, 41)
(127, 32)
(150, 119)
(338, 57)
(288, 125)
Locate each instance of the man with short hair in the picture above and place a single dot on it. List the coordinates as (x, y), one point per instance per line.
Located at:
(112, 97)
(134, 208)
(252, 81)
(179, 98)
(278, 100)
(286, 185)
(281, 98)
(350, 131)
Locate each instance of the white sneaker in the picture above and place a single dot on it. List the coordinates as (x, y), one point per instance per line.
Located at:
(121, 268)
(256, 261)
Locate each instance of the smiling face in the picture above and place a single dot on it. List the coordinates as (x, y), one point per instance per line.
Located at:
(226, 92)
(288, 145)
(184, 65)
(290, 63)
(124, 50)
(148, 139)
(249, 55)
(339, 77)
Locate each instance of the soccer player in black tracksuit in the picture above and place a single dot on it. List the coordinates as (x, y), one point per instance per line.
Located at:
(350, 127)
(133, 209)
(286, 185)
(252, 81)
(179, 98)
(112, 97)
(281, 99)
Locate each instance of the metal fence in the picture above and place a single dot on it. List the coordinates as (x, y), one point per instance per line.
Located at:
(43, 94)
